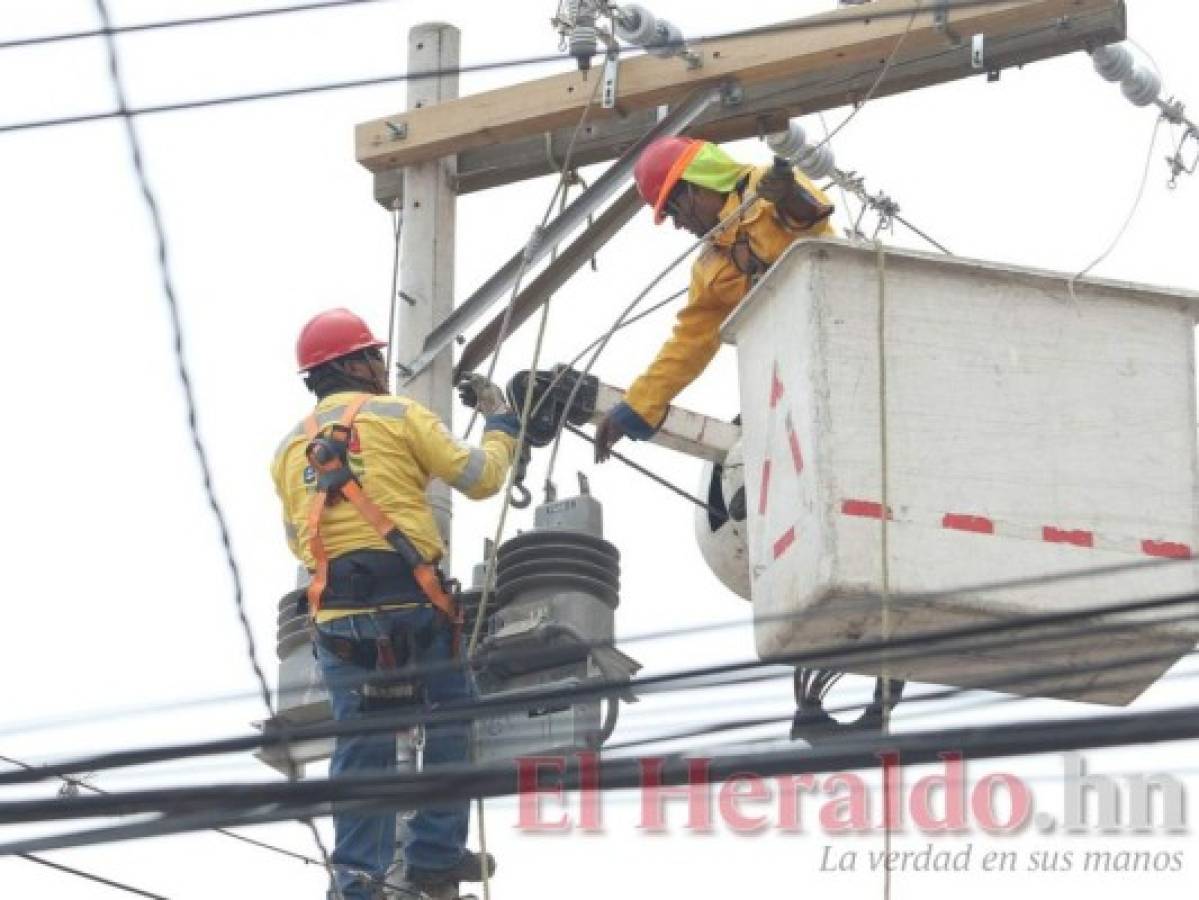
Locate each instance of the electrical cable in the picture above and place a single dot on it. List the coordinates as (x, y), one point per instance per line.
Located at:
(559, 191)
(850, 605)
(721, 514)
(276, 801)
(129, 889)
(236, 16)
(718, 229)
(860, 653)
(281, 93)
(1136, 204)
(168, 288)
(490, 564)
(80, 784)
(869, 95)
(711, 234)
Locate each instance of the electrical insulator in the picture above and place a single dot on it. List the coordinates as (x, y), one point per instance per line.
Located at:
(635, 24)
(788, 143)
(667, 42)
(1142, 87)
(584, 39)
(1113, 62)
(817, 162)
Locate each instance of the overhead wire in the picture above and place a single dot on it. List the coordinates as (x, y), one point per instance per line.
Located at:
(89, 876)
(849, 605)
(235, 16)
(716, 230)
(559, 191)
(182, 369)
(862, 652)
(80, 784)
(1144, 566)
(1136, 204)
(282, 93)
(226, 804)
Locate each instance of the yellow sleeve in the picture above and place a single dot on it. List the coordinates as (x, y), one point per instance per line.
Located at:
(289, 529)
(477, 472)
(691, 346)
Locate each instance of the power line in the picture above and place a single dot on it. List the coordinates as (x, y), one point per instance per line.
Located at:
(129, 889)
(80, 784)
(276, 801)
(861, 653)
(281, 93)
(849, 605)
(168, 289)
(242, 15)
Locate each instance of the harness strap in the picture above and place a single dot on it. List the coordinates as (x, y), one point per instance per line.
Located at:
(335, 482)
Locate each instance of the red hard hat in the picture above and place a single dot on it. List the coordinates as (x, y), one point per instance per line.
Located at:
(331, 334)
(660, 167)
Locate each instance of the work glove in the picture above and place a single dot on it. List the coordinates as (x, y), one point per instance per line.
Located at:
(607, 433)
(790, 197)
(478, 393)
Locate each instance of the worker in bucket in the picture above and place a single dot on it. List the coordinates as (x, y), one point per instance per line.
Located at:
(353, 479)
(698, 186)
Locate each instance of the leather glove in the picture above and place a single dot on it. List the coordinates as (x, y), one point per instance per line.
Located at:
(478, 393)
(791, 198)
(777, 184)
(607, 433)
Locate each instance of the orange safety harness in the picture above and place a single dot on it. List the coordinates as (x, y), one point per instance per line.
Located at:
(326, 453)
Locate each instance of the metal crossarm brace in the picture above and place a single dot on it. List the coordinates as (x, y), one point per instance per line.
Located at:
(556, 232)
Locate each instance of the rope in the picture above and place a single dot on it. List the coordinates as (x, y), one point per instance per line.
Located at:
(716, 230)
(397, 227)
(885, 595)
(559, 190)
(168, 288)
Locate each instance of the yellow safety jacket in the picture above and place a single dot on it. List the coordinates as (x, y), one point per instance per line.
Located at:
(718, 284)
(397, 447)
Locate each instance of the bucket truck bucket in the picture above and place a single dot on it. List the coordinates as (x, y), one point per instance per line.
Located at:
(1019, 453)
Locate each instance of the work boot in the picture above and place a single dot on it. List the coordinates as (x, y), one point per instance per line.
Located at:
(443, 883)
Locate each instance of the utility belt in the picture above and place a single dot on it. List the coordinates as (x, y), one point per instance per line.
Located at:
(364, 579)
(396, 680)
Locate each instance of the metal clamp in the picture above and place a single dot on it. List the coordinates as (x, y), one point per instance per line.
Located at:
(941, 22)
(611, 74)
(978, 52)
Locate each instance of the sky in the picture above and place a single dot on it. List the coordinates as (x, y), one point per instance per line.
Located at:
(121, 610)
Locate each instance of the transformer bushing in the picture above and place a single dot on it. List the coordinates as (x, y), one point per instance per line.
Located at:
(556, 593)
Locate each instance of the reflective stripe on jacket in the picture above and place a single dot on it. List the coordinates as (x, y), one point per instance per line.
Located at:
(397, 448)
(718, 284)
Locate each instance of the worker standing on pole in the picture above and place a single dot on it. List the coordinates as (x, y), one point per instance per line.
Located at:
(353, 480)
(698, 186)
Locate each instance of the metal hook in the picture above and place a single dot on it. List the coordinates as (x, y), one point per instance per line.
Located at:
(520, 498)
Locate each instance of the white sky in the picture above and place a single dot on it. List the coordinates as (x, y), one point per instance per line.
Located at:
(119, 598)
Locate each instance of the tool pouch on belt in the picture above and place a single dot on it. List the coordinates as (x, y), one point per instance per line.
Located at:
(395, 681)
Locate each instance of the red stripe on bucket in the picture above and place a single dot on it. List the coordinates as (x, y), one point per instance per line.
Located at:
(764, 493)
(975, 524)
(865, 509)
(776, 387)
(1053, 535)
(783, 544)
(796, 453)
(1166, 549)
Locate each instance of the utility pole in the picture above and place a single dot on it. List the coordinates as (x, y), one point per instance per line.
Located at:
(428, 220)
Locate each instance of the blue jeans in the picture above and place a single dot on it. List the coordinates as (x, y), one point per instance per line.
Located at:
(365, 843)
